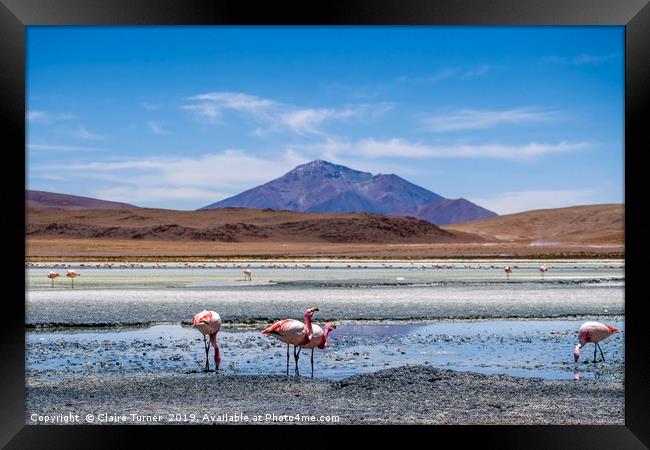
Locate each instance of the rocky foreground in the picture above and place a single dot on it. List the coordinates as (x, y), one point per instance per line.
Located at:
(407, 395)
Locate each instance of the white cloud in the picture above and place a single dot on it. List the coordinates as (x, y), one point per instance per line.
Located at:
(582, 59)
(472, 119)
(206, 178)
(519, 201)
(150, 106)
(270, 115)
(36, 116)
(476, 72)
(62, 148)
(83, 133)
(158, 195)
(596, 60)
(156, 127)
(372, 148)
(449, 72)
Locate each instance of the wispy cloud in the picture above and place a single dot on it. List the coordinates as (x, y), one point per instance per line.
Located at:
(156, 127)
(205, 178)
(476, 72)
(447, 73)
(150, 106)
(61, 148)
(84, 133)
(271, 115)
(37, 116)
(518, 201)
(372, 148)
(596, 60)
(582, 59)
(472, 119)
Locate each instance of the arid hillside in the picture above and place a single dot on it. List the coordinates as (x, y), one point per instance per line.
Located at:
(592, 224)
(236, 225)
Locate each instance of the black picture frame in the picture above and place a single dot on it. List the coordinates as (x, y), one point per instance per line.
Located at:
(15, 15)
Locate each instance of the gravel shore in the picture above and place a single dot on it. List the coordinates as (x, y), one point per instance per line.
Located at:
(407, 394)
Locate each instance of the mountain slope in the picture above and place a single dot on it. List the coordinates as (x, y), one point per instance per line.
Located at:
(51, 200)
(594, 224)
(320, 186)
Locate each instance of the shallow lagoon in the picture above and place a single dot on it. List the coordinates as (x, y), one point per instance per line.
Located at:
(531, 348)
(389, 314)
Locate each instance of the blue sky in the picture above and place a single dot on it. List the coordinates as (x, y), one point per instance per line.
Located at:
(512, 118)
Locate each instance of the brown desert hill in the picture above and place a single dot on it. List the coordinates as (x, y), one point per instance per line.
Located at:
(593, 224)
(49, 200)
(236, 225)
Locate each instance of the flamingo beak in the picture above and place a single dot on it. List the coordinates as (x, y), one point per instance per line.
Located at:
(314, 309)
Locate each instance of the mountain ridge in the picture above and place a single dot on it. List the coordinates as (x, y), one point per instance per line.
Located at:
(51, 200)
(321, 186)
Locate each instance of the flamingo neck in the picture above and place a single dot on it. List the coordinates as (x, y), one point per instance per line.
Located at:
(308, 325)
(576, 353)
(326, 334)
(217, 350)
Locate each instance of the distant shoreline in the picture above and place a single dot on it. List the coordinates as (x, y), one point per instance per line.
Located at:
(112, 250)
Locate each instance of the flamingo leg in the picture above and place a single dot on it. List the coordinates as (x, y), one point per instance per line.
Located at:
(312, 363)
(296, 355)
(206, 345)
(601, 352)
(595, 348)
(287, 359)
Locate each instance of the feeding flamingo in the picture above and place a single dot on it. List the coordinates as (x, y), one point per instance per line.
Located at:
(291, 331)
(318, 340)
(209, 323)
(52, 275)
(543, 269)
(72, 274)
(248, 275)
(593, 332)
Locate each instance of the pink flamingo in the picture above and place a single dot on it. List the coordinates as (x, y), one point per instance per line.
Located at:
(291, 331)
(209, 323)
(52, 275)
(318, 339)
(72, 274)
(248, 275)
(593, 332)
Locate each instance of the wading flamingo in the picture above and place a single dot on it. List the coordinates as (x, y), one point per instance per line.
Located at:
(593, 332)
(52, 275)
(248, 275)
(543, 269)
(72, 274)
(318, 340)
(293, 332)
(209, 323)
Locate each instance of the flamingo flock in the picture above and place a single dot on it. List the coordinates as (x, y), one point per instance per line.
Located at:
(290, 331)
(308, 335)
